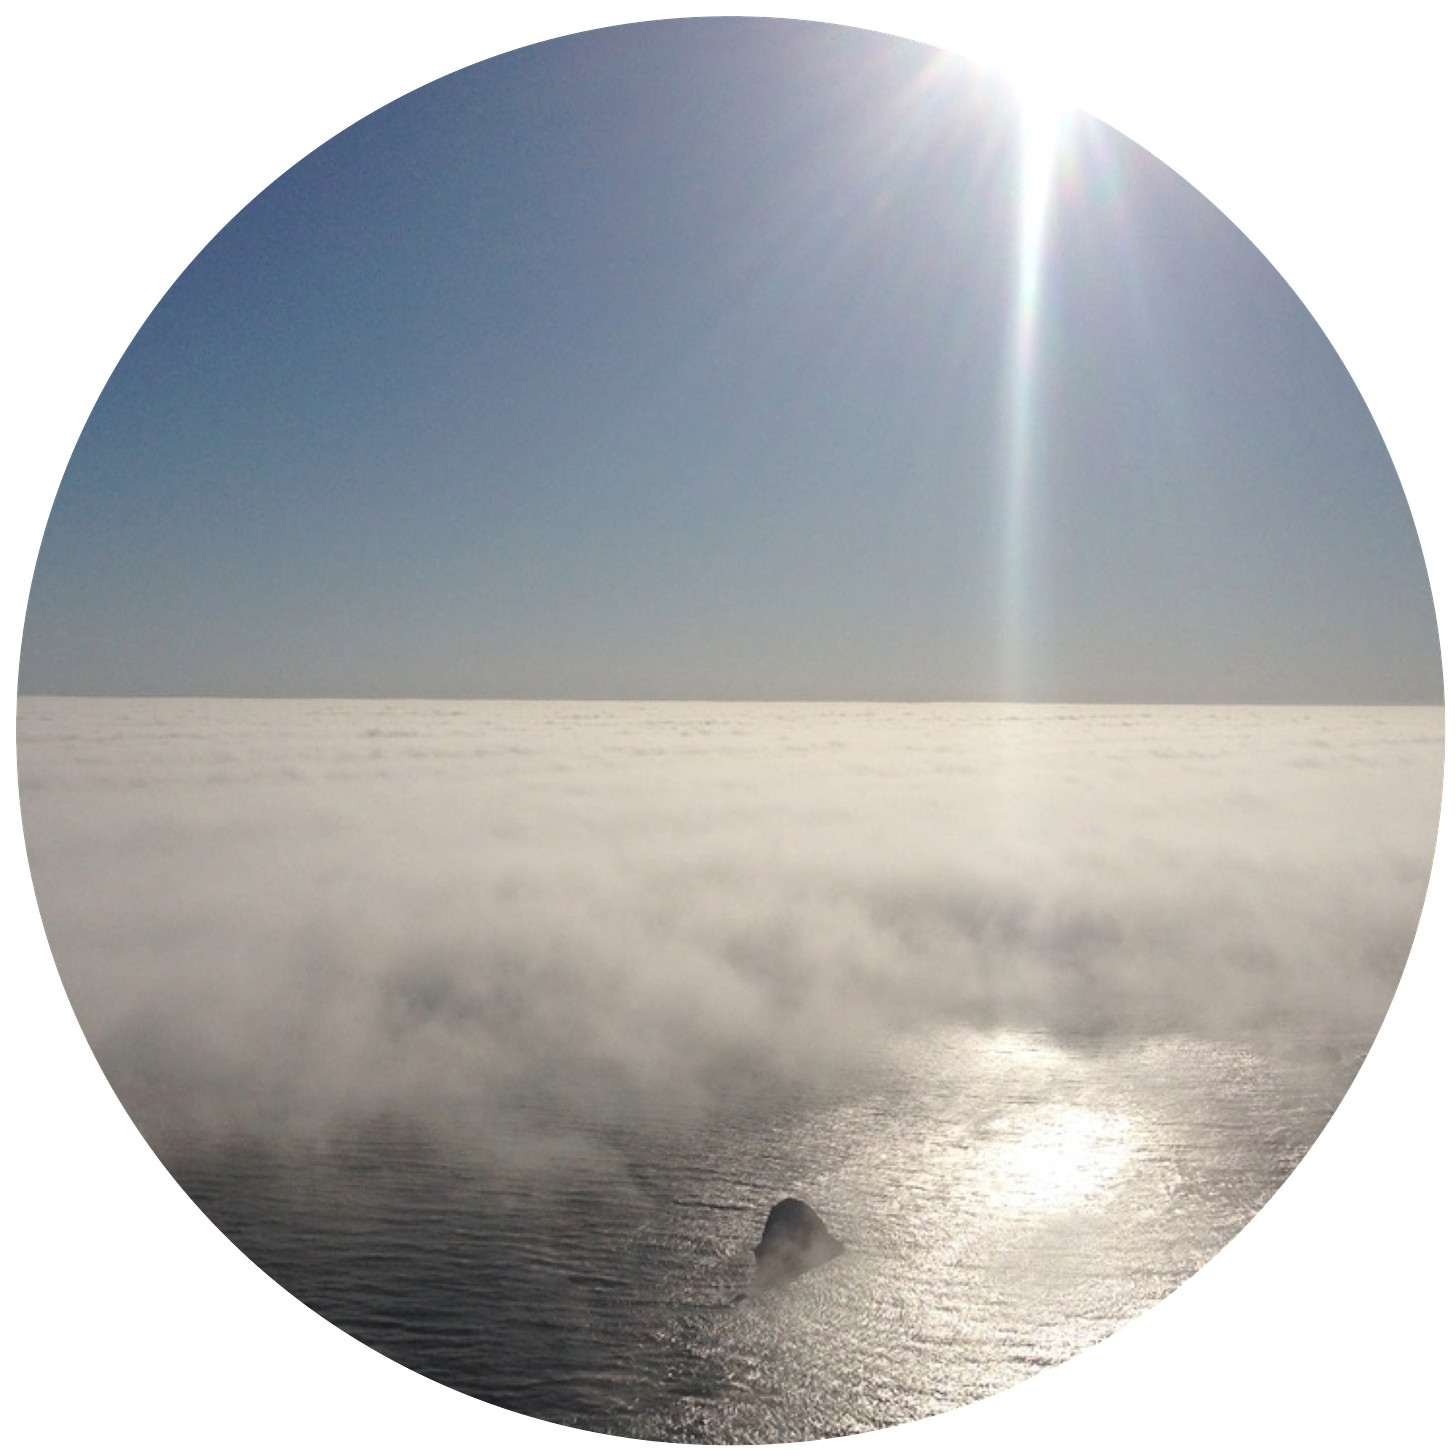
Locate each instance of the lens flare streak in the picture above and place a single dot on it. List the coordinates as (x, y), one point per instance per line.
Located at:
(1040, 128)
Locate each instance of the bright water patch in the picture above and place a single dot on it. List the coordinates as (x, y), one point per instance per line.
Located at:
(1007, 1201)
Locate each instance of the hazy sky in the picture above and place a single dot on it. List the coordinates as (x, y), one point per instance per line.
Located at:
(730, 359)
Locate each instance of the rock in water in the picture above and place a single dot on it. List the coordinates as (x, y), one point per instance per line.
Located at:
(794, 1241)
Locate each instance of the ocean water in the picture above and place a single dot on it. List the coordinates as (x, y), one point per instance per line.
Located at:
(1007, 1201)
(492, 1031)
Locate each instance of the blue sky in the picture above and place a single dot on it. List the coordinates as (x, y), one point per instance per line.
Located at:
(679, 360)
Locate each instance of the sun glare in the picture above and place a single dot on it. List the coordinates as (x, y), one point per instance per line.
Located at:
(1039, 126)
(1029, 134)
(1056, 1159)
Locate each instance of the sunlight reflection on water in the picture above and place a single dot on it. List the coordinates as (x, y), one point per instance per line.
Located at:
(1055, 1159)
(1007, 1201)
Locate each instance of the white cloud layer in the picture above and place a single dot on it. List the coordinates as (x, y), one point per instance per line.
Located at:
(285, 913)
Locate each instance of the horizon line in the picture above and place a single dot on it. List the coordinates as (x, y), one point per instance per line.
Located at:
(738, 701)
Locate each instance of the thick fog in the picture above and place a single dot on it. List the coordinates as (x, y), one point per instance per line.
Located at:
(486, 915)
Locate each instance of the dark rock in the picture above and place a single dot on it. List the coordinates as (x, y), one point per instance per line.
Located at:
(794, 1241)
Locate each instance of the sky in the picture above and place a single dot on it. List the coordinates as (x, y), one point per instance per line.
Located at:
(731, 359)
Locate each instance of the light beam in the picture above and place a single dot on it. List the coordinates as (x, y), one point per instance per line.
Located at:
(1040, 124)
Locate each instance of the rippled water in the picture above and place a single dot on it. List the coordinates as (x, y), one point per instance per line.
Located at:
(1008, 1200)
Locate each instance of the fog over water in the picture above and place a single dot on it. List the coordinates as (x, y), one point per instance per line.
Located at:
(491, 1030)
(304, 911)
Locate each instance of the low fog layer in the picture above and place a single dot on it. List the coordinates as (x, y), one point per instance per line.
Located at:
(282, 914)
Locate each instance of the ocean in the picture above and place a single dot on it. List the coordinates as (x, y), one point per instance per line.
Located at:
(493, 1031)
(1007, 1201)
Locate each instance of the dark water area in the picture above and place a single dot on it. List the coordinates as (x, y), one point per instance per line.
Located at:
(1007, 1201)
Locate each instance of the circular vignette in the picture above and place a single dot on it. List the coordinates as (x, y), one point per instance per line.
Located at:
(1318, 157)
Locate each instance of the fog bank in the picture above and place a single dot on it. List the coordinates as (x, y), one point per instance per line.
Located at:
(281, 914)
